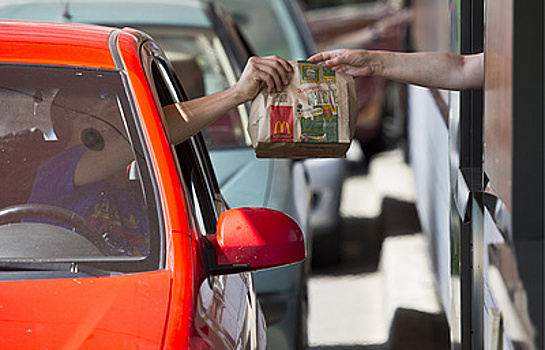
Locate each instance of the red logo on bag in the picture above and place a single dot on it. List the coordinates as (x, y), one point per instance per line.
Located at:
(281, 124)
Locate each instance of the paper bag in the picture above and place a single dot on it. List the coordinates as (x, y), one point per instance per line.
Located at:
(314, 116)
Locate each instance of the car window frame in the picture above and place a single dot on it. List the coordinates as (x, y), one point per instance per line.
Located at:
(195, 168)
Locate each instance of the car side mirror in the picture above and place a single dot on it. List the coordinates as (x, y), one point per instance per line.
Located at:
(250, 239)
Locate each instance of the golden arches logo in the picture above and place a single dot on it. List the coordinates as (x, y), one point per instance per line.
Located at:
(282, 126)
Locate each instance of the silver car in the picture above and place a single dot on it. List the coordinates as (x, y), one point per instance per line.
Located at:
(278, 27)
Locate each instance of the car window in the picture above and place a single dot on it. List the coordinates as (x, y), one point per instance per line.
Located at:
(197, 173)
(203, 65)
(205, 211)
(53, 121)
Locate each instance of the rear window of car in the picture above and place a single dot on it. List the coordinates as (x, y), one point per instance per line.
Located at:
(71, 170)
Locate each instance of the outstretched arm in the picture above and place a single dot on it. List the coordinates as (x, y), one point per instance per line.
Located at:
(187, 118)
(440, 70)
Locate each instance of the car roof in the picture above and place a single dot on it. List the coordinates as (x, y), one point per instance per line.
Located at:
(56, 43)
(173, 12)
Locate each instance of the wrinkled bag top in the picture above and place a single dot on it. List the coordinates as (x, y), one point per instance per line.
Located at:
(314, 116)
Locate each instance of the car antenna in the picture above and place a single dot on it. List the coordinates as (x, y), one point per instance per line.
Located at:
(66, 12)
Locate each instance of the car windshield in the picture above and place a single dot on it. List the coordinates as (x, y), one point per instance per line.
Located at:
(201, 61)
(65, 195)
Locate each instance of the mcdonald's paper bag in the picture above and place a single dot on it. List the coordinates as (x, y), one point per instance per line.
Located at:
(314, 116)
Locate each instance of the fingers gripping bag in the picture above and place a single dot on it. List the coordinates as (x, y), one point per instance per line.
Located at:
(314, 116)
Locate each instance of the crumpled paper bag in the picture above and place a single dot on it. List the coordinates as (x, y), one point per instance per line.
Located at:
(314, 116)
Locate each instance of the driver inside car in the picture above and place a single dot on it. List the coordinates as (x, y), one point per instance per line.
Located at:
(87, 123)
(89, 176)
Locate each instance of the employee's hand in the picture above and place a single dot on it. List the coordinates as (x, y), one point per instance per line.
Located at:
(439, 70)
(357, 63)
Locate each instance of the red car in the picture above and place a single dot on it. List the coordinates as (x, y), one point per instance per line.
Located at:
(139, 254)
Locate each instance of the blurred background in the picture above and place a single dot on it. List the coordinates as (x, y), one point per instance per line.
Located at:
(381, 293)
(442, 209)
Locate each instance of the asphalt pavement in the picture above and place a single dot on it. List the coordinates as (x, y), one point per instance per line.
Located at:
(382, 295)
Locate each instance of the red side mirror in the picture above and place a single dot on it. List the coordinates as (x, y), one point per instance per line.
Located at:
(256, 238)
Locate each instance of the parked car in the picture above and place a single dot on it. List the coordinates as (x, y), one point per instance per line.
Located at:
(278, 27)
(206, 49)
(374, 25)
(178, 279)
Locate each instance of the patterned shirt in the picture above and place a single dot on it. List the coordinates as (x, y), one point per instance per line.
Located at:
(119, 214)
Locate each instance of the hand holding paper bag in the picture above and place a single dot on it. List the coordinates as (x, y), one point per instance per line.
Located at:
(314, 116)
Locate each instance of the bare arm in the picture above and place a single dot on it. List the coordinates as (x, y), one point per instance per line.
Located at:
(441, 70)
(187, 118)
(94, 166)
(435, 69)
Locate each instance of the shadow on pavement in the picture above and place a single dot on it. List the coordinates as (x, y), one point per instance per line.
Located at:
(410, 329)
(350, 347)
(361, 244)
(361, 238)
(413, 329)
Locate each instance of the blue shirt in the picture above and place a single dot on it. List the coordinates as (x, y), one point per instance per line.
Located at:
(118, 213)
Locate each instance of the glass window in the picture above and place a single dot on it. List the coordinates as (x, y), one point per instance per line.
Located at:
(71, 190)
(202, 201)
(269, 27)
(201, 62)
(191, 155)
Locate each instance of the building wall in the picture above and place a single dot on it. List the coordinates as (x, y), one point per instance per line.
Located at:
(429, 140)
(498, 97)
(502, 225)
(428, 145)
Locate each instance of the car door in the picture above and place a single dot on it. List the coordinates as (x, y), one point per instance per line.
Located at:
(226, 304)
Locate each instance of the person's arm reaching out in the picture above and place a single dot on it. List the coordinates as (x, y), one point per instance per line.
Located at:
(440, 70)
(187, 118)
